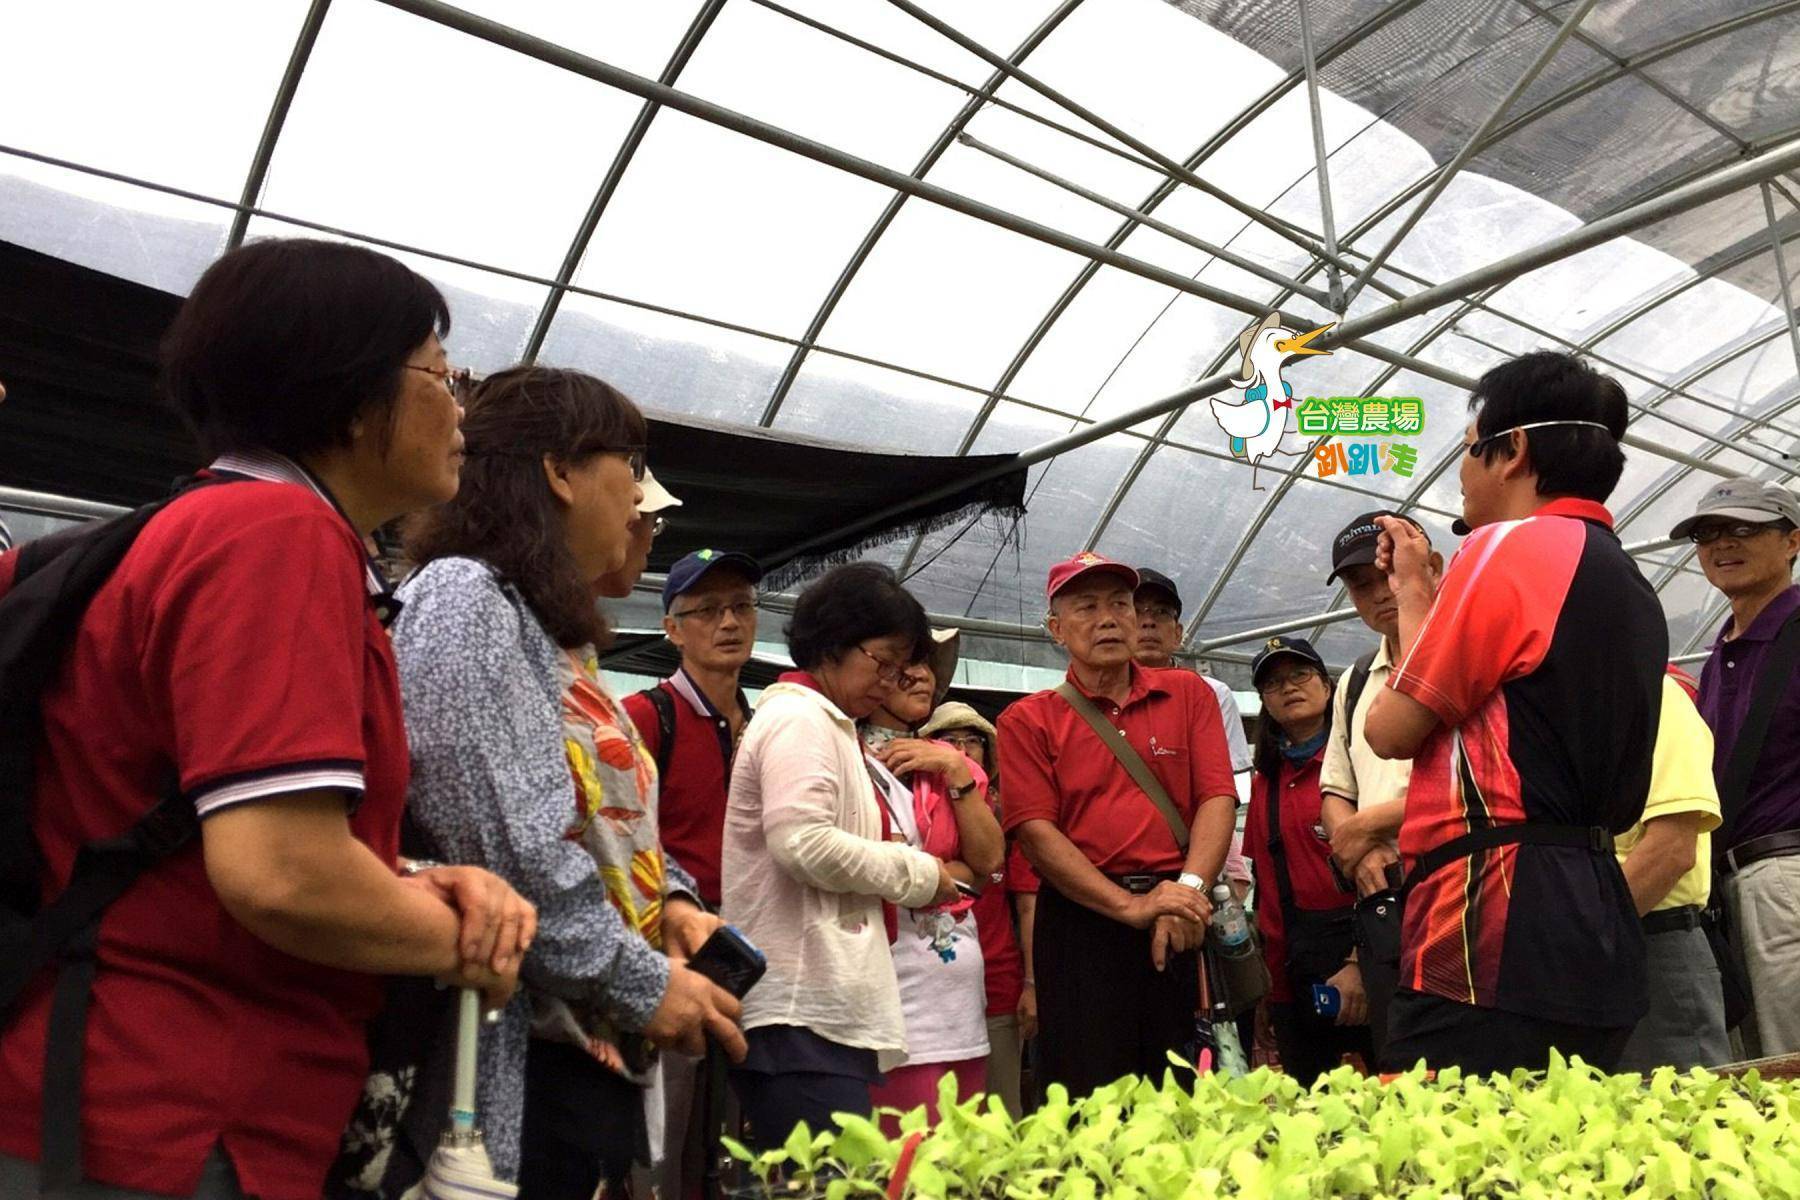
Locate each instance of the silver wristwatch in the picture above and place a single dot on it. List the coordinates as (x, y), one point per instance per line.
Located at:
(1197, 882)
(418, 866)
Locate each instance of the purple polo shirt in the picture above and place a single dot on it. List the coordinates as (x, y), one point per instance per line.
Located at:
(1727, 684)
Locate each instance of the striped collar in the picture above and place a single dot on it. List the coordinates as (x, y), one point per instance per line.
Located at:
(270, 467)
(684, 686)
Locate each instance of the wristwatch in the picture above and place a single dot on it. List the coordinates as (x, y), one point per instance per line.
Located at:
(419, 866)
(957, 793)
(1197, 882)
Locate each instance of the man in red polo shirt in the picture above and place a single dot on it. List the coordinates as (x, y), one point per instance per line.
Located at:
(691, 723)
(1123, 905)
(1528, 697)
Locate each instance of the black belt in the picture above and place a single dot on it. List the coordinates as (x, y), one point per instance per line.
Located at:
(1774, 845)
(1581, 837)
(1143, 881)
(1670, 920)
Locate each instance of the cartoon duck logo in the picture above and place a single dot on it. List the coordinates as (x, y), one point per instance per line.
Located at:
(1255, 424)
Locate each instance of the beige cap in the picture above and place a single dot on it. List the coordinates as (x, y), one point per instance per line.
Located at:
(956, 715)
(656, 496)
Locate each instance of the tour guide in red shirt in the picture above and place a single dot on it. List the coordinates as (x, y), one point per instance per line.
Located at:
(1528, 698)
(1123, 907)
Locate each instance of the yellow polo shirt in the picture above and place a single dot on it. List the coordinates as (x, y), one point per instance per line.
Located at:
(1681, 781)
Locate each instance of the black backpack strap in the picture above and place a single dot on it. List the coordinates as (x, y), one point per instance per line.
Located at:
(1746, 752)
(1583, 837)
(67, 931)
(664, 704)
(1284, 886)
(1353, 688)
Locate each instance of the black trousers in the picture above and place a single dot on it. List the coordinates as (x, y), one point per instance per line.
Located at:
(583, 1125)
(1311, 1045)
(1487, 1041)
(1380, 982)
(1104, 1010)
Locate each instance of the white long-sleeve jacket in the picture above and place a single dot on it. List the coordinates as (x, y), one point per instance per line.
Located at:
(805, 871)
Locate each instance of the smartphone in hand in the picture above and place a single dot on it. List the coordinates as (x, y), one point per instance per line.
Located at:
(730, 960)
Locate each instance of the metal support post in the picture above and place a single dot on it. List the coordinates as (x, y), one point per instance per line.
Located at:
(278, 111)
(1471, 146)
(1237, 260)
(1340, 303)
(1781, 273)
(1274, 224)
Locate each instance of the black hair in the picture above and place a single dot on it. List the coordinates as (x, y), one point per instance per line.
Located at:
(1265, 754)
(849, 605)
(1570, 460)
(285, 342)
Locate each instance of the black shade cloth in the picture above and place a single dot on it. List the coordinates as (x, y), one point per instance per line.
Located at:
(78, 358)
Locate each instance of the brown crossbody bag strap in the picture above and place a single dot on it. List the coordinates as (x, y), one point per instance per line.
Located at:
(1128, 757)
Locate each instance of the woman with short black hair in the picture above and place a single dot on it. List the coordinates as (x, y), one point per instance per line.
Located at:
(813, 865)
(1317, 1006)
(237, 657)
(525, 763)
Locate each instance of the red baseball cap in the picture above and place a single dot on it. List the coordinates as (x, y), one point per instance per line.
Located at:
(1086, 563)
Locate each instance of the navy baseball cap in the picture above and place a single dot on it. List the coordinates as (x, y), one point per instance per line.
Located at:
(1277, 647)
(687, 573)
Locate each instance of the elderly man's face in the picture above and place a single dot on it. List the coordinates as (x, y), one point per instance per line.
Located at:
(1158, 630)
(1096, 620)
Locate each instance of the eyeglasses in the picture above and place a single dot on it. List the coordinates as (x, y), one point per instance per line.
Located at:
(885, 671)
(743, 610)
(455, 379)
(1706, 535)
(965, 741)
(1298, 677)
(1475, 448)
(635, 455)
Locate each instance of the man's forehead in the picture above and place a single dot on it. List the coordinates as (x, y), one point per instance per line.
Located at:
(1104, 587)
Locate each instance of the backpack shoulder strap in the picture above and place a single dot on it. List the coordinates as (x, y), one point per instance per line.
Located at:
(1746, 752)
(1359, 679)
(1128, 757)
(664, 704)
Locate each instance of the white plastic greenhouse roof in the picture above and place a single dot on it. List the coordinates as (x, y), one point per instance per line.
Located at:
(708, 271)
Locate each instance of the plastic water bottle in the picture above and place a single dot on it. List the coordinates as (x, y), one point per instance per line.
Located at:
(1231, 927)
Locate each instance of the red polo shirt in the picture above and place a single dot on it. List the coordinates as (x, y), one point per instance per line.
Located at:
(1306, 851)
(1057, 769)
(690, 807)
(235, 650)
(1542, 657)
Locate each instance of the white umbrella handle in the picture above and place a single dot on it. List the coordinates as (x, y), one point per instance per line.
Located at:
(468, 1044)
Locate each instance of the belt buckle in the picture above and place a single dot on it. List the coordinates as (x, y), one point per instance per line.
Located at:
(1140, 884)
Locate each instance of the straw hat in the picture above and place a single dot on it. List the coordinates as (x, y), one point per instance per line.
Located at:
(956, 715)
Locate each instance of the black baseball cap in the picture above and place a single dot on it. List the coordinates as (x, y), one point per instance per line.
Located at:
(684, 575)
(1276, 647)
(1354, 546)
(1156, 579)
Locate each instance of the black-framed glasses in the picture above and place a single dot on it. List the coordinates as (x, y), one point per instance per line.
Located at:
(1298, 677)
(455, 379)
(964, 741)
(708, 614)
(1706, 535)
(885, 671)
